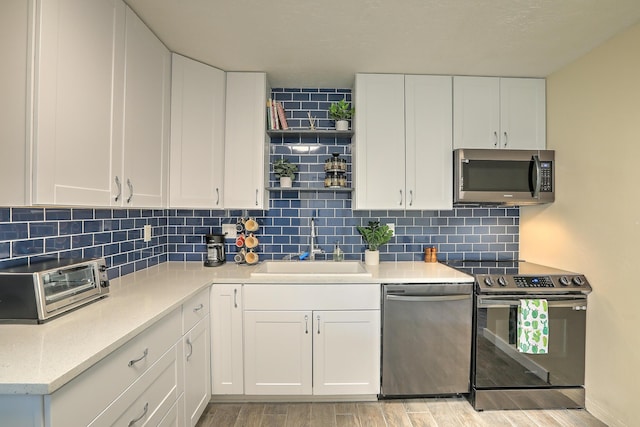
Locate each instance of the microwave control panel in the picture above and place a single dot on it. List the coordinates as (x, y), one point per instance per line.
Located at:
(546, 177)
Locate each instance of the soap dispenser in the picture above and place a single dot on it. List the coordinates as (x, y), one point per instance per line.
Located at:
(338, 255)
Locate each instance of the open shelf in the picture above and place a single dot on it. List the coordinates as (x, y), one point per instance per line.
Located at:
(311, 132)
(312, 189)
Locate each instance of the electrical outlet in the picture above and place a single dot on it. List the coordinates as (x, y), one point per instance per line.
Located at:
(392, 227)
(229, 230)
(147, 233)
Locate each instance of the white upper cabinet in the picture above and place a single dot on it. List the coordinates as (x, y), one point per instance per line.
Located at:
(245, 147)
(101, 122)
(146, 117)
(79, 69)
(197, 135)
(16, 30)
(402, 150)
(495, 112)
(379, 147)
(429, 156)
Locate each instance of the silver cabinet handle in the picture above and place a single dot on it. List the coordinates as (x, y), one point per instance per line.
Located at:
(217, 196)
(144, 355)
(198, 308)
(190, 344)
(306, 324)
(144, 413)
(119, 184)
(318, 319)
(410, 197)
(506, 139)
(400, 198)
(130, 185)
(495, 139)
(257, 197)
(417, 298)
(235, 298)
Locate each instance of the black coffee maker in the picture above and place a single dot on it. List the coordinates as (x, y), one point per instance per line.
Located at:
(215, 250)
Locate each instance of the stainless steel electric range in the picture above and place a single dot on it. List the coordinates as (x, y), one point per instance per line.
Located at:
(505, 377)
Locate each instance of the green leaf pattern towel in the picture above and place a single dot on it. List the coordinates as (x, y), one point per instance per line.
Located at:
(533, 326)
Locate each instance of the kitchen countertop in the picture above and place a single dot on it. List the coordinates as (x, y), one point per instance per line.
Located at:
(39, 359)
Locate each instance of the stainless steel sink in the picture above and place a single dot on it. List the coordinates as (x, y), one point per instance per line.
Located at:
(311, 268)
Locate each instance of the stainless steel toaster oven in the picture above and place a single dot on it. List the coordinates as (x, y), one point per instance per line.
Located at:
(37, 292)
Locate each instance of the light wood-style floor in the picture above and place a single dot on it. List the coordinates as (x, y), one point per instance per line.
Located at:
(438, 412)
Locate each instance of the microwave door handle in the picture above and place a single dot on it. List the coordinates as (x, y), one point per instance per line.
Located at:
(538, 172)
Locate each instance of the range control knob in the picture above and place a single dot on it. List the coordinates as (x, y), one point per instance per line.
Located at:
(502, 281)
(564, 281)
(488, 281)
(578, 281)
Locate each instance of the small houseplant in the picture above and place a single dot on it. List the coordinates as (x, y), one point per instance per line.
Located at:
(341, 112)
(284, 170)
(374, 235)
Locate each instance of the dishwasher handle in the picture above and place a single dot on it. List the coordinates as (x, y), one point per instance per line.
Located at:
(417, 298)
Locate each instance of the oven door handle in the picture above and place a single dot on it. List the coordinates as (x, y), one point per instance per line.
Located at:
(576, 304)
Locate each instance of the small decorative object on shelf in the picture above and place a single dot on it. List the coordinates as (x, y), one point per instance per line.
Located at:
(284, 170)
(335, 169)
(341, 112)
(312, 121)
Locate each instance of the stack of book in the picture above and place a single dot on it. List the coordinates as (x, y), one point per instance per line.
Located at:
(276, 118)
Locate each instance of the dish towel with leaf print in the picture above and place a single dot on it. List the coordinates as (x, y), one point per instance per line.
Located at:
(533, 326)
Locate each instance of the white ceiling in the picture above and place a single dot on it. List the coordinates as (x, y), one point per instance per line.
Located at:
(323, 43)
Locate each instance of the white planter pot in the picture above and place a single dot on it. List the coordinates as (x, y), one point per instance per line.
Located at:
(285, 182)
(371, 257)
(342, 125)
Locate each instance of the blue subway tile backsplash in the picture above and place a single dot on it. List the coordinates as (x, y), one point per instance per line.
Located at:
(36, 234)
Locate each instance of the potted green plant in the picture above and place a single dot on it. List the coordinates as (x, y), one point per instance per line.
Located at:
(341, 112)
(284, 170)
(374, 235)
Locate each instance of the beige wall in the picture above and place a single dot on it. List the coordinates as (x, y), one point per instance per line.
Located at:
(593, 123)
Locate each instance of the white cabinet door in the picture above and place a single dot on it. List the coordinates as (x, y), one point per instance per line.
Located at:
(379, 149)
(79, 76)
(476, 112)
(146, 117)
(197, 376)
(278, 352)
(495, 112)
(402, 154)
(197, 135)
(346, 352)
(226, 340)
(429, 159)
(523, 113)
(245, 148)
(16, 33)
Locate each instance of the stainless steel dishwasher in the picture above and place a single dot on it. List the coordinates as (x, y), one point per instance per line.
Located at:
(426, 339)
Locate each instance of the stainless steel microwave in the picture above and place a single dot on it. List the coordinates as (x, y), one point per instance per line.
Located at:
(504, 177)
(37, 292)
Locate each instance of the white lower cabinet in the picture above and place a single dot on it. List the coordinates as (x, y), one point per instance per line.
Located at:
(141, 379)
(227, 371)
(312, 352)
(196, 357)
(311, 339)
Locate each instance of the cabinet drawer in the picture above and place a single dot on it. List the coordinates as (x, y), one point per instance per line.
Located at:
(312, 297)
(150, 398)
(107, 379)
(195, 309)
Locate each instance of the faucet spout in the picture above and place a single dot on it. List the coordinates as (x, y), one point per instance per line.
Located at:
(313, 247)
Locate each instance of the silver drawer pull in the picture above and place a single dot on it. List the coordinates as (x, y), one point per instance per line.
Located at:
(190, 344)
(144, 355)
(198, 308)
(144, 413)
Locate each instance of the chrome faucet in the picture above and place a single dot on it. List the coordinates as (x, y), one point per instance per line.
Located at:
(313, 247)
